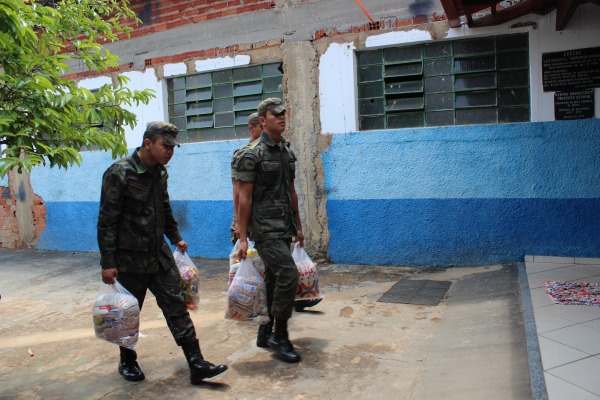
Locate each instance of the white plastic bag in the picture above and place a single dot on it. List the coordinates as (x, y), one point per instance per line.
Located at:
(190, 279)
(252, 254)
(308, 278)
(257, 262)
(247, 295)
(234, 261)
(116, 315)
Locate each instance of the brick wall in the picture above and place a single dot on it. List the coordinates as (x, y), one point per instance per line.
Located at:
(159, 15)
(9, 226)
(9, 229)
(39, 215)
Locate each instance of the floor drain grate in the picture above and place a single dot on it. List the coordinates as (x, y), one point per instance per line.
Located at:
(423, 292)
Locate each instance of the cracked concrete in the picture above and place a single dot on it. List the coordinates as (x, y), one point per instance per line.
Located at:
(471, 345)
(301, 66)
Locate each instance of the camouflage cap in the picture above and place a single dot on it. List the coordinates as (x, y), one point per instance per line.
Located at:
(273, 104)
(253, 119)
(166, 130)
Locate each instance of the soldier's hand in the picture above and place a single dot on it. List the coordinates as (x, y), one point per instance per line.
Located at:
(109, 275)
(243, 249)
(182, 245)
(299, 238)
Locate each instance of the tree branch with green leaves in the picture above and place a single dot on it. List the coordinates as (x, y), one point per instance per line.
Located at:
(45, 118)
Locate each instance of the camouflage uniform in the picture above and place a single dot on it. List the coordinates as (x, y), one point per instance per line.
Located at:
(253, 120)
(234, 160)
(135, 215)
(271, 168)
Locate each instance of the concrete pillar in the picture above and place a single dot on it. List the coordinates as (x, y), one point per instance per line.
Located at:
(300, 64)
(21, 184)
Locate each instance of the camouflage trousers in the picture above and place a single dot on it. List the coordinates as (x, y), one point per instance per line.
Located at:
(281, 276)
(165, 286)
(232, 233)
(234, 236)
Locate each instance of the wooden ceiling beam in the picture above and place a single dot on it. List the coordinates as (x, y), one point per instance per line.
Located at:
(510, 13)
(456, 8)
(451, 13)
(564, 12)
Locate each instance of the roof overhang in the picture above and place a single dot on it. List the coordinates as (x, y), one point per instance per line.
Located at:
(480, 13)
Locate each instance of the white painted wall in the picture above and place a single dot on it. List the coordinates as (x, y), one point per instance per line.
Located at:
(170, 70)
(337, 89)
(399, 37)
(582, 31)
(156, 110)
(222, 63)
(94, 83)
(212, 64)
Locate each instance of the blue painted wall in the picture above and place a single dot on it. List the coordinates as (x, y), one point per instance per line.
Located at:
(199, 186)
(464, 195)
(436, 196)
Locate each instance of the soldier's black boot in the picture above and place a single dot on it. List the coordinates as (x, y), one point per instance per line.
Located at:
(199, 368)
(300, 305)
(128, 366)
(264, 331)
(279, 342)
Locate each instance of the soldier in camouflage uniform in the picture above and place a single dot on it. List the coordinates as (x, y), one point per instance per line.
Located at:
(255, 129)
(268, 211)
(135, 215)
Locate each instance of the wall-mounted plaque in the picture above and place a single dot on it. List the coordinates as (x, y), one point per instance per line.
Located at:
(571, 70)
(574, 105)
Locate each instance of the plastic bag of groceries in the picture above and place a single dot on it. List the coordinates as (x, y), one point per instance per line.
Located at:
(247, 295)
(116, 314)
(308, 278)
(190, 279)
(257, 262)
(234, 261)
(252, 254)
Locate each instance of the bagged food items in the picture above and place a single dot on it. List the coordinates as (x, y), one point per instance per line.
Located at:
(116, 315)
(252, 254)
(257, 262)
(190, 279)
(308, 279)
(247, 295)
(234, 261)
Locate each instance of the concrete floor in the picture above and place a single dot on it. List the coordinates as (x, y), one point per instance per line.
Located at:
(470, 346)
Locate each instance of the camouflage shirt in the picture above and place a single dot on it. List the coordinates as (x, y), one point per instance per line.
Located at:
(135, 215)
(271, 167)
(237, 154)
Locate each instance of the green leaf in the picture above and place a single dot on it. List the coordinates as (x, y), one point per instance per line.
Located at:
(42, 112)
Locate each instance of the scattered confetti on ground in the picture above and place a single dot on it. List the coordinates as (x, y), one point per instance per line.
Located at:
(582, 293)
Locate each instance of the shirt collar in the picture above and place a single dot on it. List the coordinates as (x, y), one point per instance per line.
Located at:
(140, 167)
(270, 142)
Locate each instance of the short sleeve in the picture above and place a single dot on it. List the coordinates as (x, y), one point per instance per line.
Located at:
(234, 160)
(246, 168)
(293, 160)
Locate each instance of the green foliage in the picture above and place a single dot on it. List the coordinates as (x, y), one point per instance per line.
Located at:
(45, 118)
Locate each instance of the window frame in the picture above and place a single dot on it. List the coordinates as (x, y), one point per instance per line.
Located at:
(445, 83)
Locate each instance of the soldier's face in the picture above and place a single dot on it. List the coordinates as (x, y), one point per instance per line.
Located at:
(255, 131)
(160, 152)
(273, 123)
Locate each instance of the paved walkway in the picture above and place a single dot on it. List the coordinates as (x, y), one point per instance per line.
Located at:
(471, 346)
(568, 335)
